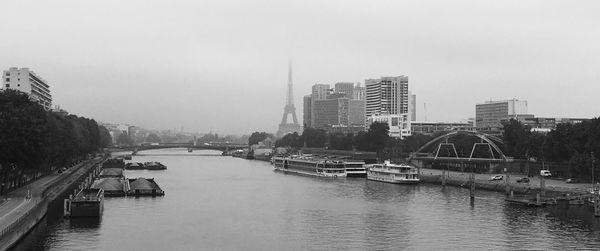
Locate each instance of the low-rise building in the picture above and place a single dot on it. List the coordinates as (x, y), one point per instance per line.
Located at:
(399, 124)
(431, 128)
(489, 115)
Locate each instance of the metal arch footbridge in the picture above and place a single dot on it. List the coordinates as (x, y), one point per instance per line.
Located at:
(488, 142)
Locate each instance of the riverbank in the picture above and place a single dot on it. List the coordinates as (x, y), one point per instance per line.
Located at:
(553, 187)
(27, 205)
(457, 179)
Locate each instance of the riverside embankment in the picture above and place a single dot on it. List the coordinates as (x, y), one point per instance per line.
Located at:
(483, 182)
(26, 206)
(461, 179)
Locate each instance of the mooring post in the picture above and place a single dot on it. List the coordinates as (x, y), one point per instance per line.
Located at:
(537, 199)
(472, 189)
(542, 186)
(444, 178)
(508, 188)
(597, 204)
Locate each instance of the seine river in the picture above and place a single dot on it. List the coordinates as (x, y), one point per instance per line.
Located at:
(225, 203)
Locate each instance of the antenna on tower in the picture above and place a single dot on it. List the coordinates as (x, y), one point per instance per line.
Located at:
(425, 110)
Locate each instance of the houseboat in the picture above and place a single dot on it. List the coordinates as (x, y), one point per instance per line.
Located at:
(355, 168)
(310, 165)
(393, 173)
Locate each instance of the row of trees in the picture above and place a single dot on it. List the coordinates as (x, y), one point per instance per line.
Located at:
(375, 139)
(258, 137)
(33, 141)
(570, 148)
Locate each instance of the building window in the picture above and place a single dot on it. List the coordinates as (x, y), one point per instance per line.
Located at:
(7, 79)
(7, 85)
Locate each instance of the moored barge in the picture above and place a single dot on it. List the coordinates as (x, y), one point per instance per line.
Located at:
(87, 203)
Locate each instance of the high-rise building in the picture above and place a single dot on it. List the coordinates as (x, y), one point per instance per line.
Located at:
(336, 109)
(328, 112)
(387, 95)
(307, 111)
(346, 88)
(27, 81)
(359, 93)
(412, 106)
(320, 91)
(356, 113)
(489, 115)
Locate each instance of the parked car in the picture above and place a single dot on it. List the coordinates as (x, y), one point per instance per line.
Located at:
(545, 173)
(496, 177)
(572, 180)
(523, 180)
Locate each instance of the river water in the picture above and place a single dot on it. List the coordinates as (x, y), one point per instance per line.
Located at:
(225, 203)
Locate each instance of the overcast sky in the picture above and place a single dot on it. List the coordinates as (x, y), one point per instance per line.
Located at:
(221, 66)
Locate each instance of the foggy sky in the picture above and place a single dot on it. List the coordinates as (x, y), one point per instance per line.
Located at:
(221, 66)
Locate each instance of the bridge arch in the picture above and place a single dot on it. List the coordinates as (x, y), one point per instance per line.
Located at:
(490, 139)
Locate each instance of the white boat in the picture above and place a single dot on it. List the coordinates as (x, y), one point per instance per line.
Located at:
(393, 173)
(355, 168)
(310, 165)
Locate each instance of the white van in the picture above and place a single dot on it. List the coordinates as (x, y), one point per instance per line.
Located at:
(545, 173)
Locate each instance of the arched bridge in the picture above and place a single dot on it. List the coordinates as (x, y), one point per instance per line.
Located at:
(219, 146)
(429, 156)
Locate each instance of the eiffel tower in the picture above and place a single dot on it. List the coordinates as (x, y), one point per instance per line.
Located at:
(285, 127)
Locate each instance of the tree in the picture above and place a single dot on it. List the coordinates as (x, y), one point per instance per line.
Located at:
(124, 139)
(290, 140)
(340, 141)
(258, 137)
(23, 133)
(517, 139)
(153, 138)
(105, 138)
(314, 137)
(378, 134)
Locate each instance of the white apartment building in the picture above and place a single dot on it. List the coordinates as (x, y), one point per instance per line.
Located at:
(387, 95)
(399, 124)
(27, 81)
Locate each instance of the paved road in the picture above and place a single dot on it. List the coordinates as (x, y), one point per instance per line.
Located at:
(534, 181)
(17, 202)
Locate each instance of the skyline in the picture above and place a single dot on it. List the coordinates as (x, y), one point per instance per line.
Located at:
(218, 66)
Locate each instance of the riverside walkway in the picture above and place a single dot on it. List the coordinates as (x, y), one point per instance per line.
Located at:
(19, 205)
(551, 184)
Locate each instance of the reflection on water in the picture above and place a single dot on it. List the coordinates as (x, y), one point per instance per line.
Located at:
(86, 223)
(226, 203)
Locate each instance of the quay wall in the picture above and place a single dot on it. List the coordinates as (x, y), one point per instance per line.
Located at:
(31, 216)
(498, 186)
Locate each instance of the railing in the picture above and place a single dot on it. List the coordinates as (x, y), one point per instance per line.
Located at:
(39, 204)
